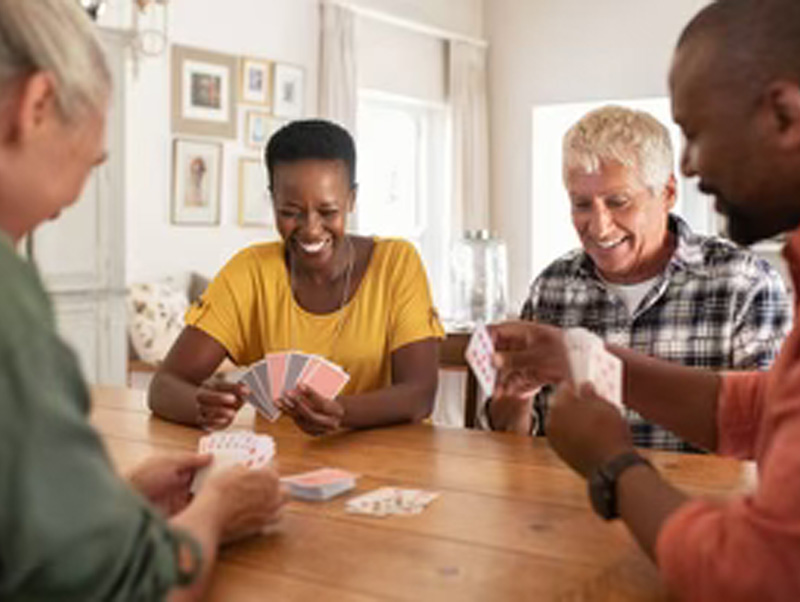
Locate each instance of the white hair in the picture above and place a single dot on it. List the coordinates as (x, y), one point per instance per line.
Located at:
(633, 138)
(58, 37)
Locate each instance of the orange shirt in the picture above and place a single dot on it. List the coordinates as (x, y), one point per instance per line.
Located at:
(748, 548)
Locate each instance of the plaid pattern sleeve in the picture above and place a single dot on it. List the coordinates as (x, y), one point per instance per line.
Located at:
(715, 306)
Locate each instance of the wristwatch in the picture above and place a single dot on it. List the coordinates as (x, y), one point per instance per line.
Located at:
(603, 483)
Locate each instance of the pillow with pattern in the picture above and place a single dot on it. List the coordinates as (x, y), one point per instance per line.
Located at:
(155, 318)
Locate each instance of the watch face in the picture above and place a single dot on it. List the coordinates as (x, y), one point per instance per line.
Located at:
(601, 495)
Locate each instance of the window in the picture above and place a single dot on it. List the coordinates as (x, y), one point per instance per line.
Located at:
(402, 180)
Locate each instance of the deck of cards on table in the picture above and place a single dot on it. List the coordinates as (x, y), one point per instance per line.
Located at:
(479, 354)
(320, 484)
(281, 372)
(391, 500)
(232, 448)
(590, 362)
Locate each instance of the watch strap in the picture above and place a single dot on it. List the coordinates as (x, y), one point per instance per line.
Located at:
(612, 469)
(603, 482)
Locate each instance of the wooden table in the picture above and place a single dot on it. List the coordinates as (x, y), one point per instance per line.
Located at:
(512, 522)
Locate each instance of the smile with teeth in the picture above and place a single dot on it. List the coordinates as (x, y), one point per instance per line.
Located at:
(314, 247)
(610, 244)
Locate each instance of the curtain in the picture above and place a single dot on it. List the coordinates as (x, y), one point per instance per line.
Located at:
(467, 88)
(338, 88)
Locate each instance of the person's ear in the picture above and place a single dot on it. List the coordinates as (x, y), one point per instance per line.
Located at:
(670, 194)
(351, 201)
(783, 104)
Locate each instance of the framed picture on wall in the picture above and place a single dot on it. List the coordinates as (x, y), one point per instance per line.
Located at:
(196, 170)
(255, 206)
(289, 91)
(203, 93)
(255, 81)
(259, 126)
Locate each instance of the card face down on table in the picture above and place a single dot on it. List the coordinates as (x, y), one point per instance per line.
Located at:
(277, 373)
(320, 484)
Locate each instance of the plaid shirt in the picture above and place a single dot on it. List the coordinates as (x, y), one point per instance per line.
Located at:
(715, 306)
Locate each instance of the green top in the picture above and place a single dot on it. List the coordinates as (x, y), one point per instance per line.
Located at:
(70, 528)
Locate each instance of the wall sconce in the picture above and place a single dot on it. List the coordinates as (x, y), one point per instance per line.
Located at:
(150, 24)
(93, 7)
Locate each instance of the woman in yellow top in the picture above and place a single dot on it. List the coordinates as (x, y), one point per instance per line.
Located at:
(363, 303)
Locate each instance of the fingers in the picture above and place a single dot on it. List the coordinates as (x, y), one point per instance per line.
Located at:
(217, 409)
(312, 412)
(326, 421)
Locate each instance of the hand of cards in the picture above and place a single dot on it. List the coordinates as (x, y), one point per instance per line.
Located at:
(233, 448)
(280, 372)
(590, 362)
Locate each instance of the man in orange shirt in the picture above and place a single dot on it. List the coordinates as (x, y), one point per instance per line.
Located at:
(735, 86)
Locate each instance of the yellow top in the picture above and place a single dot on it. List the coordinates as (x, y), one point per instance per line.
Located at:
(250, 310)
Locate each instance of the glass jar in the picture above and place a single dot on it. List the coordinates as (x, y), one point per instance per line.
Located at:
(479, 279)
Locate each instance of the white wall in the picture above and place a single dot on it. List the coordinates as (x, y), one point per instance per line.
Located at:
(548, 51)
(273, 29)
(283, 30)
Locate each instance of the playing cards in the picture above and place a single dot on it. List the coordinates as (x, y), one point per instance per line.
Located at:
(232, 448)
(391, 500)
(320, 484)
(277, 373)
(479, 356)
(590, 362)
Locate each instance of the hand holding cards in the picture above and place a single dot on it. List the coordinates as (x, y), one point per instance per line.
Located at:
(277, 373)
(233, 448)
(590, 362)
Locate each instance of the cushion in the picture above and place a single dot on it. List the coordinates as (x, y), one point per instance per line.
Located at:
(155, 318)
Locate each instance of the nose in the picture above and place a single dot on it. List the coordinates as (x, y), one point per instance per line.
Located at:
(688, 167)
(600, 221)
(312, 224)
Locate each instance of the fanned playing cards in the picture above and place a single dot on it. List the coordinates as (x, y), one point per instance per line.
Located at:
(277, 373)
(391, 500)
(232, 448)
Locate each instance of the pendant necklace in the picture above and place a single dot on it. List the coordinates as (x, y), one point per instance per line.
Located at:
(341, 318)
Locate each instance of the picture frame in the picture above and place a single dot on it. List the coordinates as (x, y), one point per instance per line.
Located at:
(255, 81)
(255, 207)
(288, 99)
(259, 127)
(203, 95)
(196, 182)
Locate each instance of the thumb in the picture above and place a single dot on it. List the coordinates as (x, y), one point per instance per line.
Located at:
(195, 461)
(586, 389)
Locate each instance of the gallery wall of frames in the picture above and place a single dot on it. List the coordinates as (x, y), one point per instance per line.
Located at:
(210, 91)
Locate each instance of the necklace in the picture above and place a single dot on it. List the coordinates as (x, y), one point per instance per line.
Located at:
(340, 320)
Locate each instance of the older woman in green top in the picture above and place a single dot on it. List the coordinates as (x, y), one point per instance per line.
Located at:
(70, 528)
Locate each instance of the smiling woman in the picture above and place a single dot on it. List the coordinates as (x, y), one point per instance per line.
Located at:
(363, 303)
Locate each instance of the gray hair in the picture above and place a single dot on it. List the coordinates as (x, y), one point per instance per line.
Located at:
(612, 133)
(58, 37)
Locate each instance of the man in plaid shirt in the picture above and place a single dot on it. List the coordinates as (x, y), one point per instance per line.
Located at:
(642, 279)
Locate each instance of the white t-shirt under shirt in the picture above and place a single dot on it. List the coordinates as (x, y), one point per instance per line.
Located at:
(631, 294)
